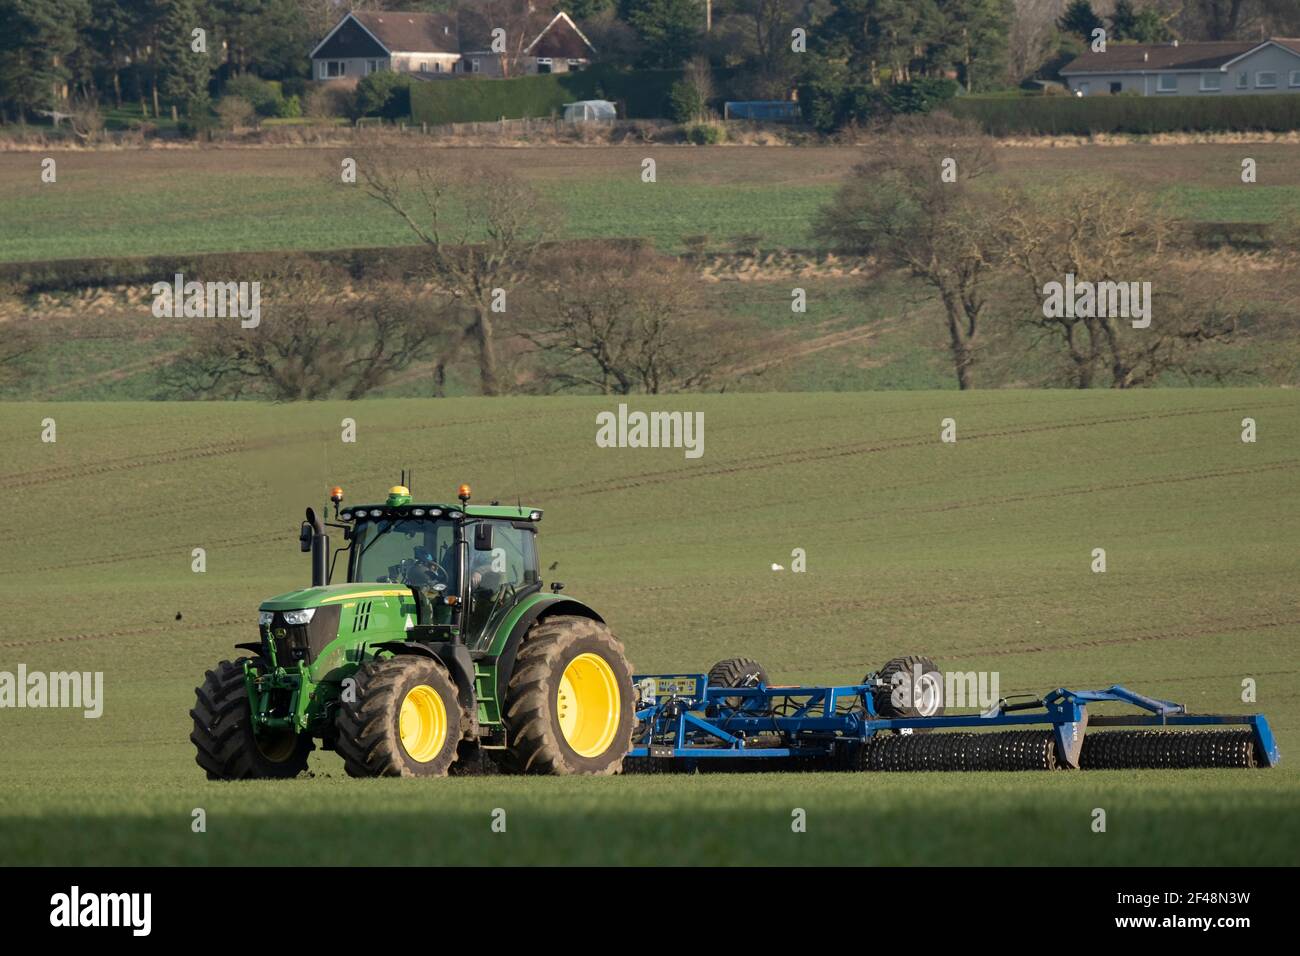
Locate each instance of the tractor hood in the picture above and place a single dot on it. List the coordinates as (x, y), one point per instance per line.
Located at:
(331, 594)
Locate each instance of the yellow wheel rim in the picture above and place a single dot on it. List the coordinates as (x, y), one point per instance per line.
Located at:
(588, 705)
(422, 723)
(277, 746)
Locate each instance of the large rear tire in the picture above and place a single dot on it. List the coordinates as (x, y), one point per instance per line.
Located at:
(404, 720)
(569, 704)
(227, 748)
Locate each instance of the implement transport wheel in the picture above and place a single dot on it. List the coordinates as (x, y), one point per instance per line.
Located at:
(737, 672)
(569, 705)
(913, 687)
(228, 749)
(404, 720)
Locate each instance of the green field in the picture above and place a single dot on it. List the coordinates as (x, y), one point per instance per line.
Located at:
(976, 554)
(176, 201)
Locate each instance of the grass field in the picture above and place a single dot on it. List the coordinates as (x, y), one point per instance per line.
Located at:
(976, 554)
(130, 203)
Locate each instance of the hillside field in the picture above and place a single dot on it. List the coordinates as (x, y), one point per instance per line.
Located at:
(174, 201)
(976, 554)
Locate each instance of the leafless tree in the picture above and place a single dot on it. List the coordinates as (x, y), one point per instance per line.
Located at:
(899, 206)
(1107, 232)
(520, 20)
(482, 228)
(313, 342)
(16, 342)
(621, 320)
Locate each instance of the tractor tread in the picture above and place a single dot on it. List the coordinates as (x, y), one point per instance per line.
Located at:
(535, 744)
(225, 748)
(368, 737)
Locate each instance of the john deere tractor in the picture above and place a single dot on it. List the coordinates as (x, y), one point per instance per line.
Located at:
(442, 651)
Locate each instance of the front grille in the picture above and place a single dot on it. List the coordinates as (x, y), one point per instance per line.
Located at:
(303, 642)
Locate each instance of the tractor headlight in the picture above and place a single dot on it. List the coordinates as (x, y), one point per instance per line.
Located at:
(264, 618)
(299, 617)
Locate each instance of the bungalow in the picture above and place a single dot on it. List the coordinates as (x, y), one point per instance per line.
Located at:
(438, 45)
(1188, 69)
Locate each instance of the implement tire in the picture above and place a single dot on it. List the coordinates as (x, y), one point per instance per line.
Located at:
(736, 672)
(227, 748)
(569, 704)
(922, 696)
(405, 720)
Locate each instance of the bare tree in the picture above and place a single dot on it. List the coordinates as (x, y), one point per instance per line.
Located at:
(621, 320)
(313, 342)
(1106, 232)
(519, 21)
(482, 229)
(16, 342)
(914, 203)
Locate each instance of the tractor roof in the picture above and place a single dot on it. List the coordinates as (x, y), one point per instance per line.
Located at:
(512, 512)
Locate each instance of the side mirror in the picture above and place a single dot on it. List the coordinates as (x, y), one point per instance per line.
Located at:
(304, 538)
(483, 536)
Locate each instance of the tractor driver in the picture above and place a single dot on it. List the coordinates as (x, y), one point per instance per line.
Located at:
(425, 572)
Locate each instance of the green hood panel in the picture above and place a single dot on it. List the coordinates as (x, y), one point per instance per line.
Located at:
(333, 594)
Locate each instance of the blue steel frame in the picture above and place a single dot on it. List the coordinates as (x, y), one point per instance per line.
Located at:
(704, 723)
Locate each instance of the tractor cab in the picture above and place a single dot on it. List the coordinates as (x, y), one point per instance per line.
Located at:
(467, 564)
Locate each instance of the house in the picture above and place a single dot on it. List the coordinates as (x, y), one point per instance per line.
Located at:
(443, 45)
(1188, 69)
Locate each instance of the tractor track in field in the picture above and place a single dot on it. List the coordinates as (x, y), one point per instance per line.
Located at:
(198, 452)
(234, 542)
(1150, 634)
(126, 632)
(828, 452)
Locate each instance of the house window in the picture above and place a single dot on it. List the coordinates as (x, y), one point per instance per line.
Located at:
(1243, 80)
(1211, 82)
(543, 64)
(1167, 83)
(1265, 80)
(1295, 77)
(331, 69)
(372, 66)
(475, 66)
(1117, 87)
(437, 66)
(423, 67)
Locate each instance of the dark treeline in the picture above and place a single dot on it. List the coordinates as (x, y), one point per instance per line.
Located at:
(110, 52)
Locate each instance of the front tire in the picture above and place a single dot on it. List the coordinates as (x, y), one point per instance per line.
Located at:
(569, 704)
(227, 748)
(404, 720)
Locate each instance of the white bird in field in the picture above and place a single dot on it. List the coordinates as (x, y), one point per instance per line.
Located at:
(777, 567)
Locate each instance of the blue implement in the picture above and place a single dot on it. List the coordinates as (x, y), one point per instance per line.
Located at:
(682, 718)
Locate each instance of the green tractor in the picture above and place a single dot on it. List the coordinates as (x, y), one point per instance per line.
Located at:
(442, 652)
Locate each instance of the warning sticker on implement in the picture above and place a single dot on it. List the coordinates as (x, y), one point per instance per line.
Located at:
(668, 686)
